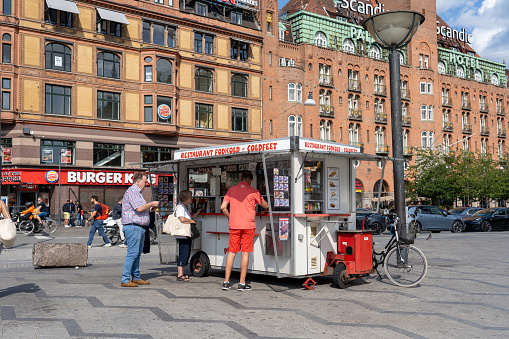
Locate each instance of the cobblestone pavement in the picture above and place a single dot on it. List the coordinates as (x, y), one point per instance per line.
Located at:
(464, 295)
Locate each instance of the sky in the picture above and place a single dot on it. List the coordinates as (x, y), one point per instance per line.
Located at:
(486, 20)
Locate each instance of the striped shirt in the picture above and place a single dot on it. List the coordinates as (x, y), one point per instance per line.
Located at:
(132, 200)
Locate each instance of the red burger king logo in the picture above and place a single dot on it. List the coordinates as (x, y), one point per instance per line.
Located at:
(51, 177)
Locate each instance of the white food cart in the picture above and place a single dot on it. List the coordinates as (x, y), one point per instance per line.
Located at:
(310, 187)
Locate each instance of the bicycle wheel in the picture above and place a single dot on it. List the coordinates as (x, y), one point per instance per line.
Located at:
(50, 226)
(409, 273)
(26, 227)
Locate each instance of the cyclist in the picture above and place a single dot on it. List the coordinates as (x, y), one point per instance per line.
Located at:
(42, 211)
(27, 214)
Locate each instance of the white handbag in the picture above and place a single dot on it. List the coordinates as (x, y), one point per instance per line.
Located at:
(173, 226)
(7, 232)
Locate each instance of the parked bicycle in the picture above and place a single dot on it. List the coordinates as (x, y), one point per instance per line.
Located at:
(404, 265)
(33, 225)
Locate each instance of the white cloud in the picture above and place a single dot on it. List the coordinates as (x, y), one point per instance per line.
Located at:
(445, 5)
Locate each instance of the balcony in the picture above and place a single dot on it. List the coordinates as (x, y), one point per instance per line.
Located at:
(501, 110)
(483, 107)
(467, 128)
(326, 80)
(466, 104)
(503, 157)
(354, 85)
(485, 131)
(381, 118)
(408, 151)
(356, 143)
(407, 120)
(381, 90)
(447, 126)
(405, 94)
(382, 149)
(355, 114)
(446, 101)
(501, 133)
(327, 111)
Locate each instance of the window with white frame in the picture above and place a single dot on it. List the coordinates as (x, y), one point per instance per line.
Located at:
(285, 62)
(405, 138)
(477, 75)
(320, 39)
(484, 147)
(379, 137)
(460, 71)
(429, 88)
(500, 148)
(325, 127)
(465, 144)
(353, 134)
(426, 61)
(401, 58)
(404, 110)
(441, 67)
(430, 112)
(348, 46)
(291, 92)
(299, 93)
(423, 87)
(291, 126)
(445, 115)
(374, 52)
(446, 143)
(494, 79)
(325, 97)
(464, 121)
(424, 112)
(298, 132)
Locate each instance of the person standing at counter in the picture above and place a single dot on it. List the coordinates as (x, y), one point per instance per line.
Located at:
(185, 199)
(242, 199)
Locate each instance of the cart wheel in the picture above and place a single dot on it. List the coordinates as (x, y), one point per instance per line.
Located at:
(377, 228)
(200, 264)
(339, 277)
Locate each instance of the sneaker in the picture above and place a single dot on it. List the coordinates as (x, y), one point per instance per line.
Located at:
(226, 286)
(122, 245)
(67, 225)
(89, 246)
(244, 287)
(107, 245)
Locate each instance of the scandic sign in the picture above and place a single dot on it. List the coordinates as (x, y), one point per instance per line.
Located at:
(68, 177)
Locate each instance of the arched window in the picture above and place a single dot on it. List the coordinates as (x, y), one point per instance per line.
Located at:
(374, 52)
(108, 65)
(299, 126)
(348, 46)
(441, 67)
(239, 85)
(320, 39)
(424, 112)
(291, 92)
(299, 92)
(478, 75)
(6, 48)
(58, 57)
(291, 126)
(203, 80)
(325, 126)
(424, 139)
(460, 72)
(494, 79)
(430, 112)
(353, 134)
(163, 67)
(401, 58)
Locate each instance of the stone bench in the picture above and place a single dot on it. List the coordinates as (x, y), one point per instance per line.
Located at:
(60, 255)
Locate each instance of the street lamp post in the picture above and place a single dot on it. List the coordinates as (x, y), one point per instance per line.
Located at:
(393, 30)
(59, 192)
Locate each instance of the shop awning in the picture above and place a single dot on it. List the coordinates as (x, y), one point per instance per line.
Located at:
(106, 14)
(63, 5)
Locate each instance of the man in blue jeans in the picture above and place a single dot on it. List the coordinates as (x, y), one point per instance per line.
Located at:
(97, 224)
(135, 216)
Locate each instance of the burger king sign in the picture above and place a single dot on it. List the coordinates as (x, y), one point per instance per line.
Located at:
(51, 177)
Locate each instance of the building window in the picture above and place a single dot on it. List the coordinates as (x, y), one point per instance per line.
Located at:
(108, 155)
(282, 35)
(164, 109)
(239, 120)
(164, 71)
(209, 44)
(325, 127)
(294, 92)
(51, 16)
(201, 9)
(171, 37)
(148, 73)
(108, 105)
(348, 46)
(423, 87)
(146, 31)
(430, 113)
(424, 112)
(460, 72)
(148, 111)
(270, 92)
(291, 126)
(6, 147)
(158, 33)
(430, 88)
(374, 52)
(198, 42)
(239, 50)
(236, 18)
(108, 65)
(7, 7)
(203, 80)
(58, 100)
(106, 25)
(401, 58)
(239, 85)
(6, 48)
(152, 154)
(204, 115)
(494, 79)
(478, 75)
(320, 39)
(58, 57)
(269, 23)
(6, 94)
(441, 67)
(58, 152)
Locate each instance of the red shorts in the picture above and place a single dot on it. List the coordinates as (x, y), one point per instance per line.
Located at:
(241, 240)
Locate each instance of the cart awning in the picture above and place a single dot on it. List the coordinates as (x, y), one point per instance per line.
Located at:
(63, 5)
(106, 14)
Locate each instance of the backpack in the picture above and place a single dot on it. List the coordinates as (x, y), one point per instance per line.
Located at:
(105, 212)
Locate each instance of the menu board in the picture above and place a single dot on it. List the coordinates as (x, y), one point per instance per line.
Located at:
(332, 188)
(279, 181)
(165, 192)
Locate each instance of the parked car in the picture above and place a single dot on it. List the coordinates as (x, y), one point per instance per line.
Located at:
(372, 220)
(464, 211)
(489, 219)
(434, 219)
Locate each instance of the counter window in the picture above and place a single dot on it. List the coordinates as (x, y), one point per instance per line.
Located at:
(313, 179)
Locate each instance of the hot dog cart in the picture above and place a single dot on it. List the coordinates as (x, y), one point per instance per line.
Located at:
(309, 185)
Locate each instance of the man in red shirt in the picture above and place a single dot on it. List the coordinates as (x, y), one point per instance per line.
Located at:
(242, 199)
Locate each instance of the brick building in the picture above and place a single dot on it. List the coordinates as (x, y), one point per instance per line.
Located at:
(451, 97)
(97, 85)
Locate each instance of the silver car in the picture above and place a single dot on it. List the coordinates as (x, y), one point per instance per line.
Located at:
(434, 219)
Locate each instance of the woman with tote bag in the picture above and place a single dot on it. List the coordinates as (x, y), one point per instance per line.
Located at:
(182, 213)
(7, 228)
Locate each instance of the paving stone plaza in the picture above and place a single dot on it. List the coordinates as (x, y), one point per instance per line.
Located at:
(464, 295)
